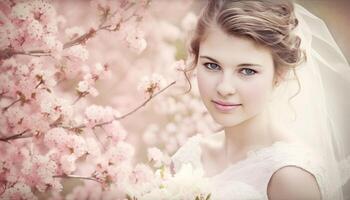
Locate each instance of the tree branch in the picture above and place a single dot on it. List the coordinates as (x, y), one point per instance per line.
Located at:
(9, 106)
(78, 177)
(9, 52)
(17, 136)
(125, 115)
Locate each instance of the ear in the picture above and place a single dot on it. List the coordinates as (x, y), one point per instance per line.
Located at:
(279, 75)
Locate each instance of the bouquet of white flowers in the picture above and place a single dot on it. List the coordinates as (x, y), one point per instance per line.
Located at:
(187, 184)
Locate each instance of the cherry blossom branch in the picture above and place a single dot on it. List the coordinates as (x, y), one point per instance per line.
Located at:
(145, 102)
(9, 52)
(82, 39)
(78, 177)
(11, 104)
(80, 96)
(17, 136)
(78, 128)
(21, 97)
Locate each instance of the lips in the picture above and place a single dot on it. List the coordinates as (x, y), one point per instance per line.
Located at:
(225, 106)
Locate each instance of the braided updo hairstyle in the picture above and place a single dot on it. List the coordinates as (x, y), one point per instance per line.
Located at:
(269, 23)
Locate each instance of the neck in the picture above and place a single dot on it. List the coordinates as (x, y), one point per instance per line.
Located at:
(248, 135)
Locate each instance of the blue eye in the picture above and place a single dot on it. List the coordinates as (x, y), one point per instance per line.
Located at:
(212, 66)
(248, 72)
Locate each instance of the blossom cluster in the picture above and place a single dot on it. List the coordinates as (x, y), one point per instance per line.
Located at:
(46, 133)
(54, 124)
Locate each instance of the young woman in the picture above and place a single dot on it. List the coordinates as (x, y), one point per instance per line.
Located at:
(243, 52)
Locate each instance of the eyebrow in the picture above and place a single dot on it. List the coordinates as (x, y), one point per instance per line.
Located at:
(240, 65)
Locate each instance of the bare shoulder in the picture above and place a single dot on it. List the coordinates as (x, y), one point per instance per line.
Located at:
(292, 182)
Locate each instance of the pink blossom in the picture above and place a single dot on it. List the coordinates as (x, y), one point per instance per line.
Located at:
(22, 11)
(77, 144)
(99, 71)
(46, 76)
(83, 86)
(113, 173)
(53, 107)
(37, 123)
(86, 87)
(98, 114)
(35, 30)
(56, 137)
(122, 152)
(43, 10)
(141, 174)
(68, 163)
(77, 53)
(151, 85)
(15, 115)
(157, 157)
(39, 171)
(115, 131)
(93, 147)
(136, 41)
(27, 87)
(47, 86)
(18, 191)
(54, 45)
(6, 85)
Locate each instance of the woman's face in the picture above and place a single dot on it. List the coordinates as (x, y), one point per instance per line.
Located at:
(235, 77)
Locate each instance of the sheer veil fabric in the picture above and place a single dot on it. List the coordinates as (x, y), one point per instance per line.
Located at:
(320, 113)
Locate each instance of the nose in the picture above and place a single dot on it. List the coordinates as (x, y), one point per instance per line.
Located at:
(226, 86)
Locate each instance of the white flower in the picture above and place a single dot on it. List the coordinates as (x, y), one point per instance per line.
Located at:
(187, 184)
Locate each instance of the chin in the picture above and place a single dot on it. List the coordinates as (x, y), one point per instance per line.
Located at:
(228, 121)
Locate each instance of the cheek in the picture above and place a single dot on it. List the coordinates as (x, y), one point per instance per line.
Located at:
(256, 94)
(206, 83)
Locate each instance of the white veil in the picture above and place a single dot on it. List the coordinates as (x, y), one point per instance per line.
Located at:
(320, 113)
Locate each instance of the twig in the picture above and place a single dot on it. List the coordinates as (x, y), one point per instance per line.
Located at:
(9, 52)
(145, 102)
(81, 39)
(123, 116)
(77, 177)
(81, 95)
(17, 136)
(78, 128)
(13, 103)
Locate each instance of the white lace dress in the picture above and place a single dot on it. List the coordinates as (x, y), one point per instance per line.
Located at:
(248, 178)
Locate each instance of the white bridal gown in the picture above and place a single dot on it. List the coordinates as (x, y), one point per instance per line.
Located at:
(248, 178)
